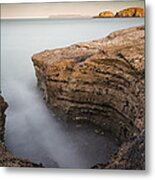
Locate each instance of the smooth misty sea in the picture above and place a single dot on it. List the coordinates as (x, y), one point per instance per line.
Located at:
(32, 130)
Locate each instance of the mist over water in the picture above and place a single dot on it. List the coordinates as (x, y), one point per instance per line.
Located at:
(32, 130)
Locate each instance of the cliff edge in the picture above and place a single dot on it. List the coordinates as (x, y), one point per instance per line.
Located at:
(99, 82)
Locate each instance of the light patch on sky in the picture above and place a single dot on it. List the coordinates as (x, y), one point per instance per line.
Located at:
(37, 10)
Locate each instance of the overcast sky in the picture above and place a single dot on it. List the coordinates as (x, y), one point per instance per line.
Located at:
(70, 8)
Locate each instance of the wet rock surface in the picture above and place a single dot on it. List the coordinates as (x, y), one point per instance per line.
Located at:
(6, 158)
(101, 83)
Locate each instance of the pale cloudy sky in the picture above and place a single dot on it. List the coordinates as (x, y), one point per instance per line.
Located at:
(35, 10)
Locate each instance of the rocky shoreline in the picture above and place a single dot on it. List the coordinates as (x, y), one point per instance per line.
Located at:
(6, 158)
(102, 83)
(99, 83)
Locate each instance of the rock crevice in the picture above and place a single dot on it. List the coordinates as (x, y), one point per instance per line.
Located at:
(6, 158)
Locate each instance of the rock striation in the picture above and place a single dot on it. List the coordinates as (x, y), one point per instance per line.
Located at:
(6, 158)
(99, 82)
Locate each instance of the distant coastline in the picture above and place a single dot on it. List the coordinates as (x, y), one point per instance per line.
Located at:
(76, 10)
(131, 12)
(63, 17)
(21, 18)
(47, 17)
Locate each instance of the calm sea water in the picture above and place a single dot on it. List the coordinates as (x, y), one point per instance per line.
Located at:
(32, 131)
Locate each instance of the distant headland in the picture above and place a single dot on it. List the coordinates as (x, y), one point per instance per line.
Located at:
(129, 12)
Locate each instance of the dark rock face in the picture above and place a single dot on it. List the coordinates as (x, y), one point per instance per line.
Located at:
(100, 82)
(3, 106)
(6, 158)
(131, 155)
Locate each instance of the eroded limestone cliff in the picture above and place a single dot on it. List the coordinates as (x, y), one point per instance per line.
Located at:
(99, 82)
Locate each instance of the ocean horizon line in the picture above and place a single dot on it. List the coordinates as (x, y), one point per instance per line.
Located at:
(48, 17)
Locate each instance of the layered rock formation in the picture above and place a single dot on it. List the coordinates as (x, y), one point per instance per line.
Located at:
(131, 12)
(99, 82)
(6, 158)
